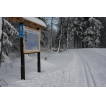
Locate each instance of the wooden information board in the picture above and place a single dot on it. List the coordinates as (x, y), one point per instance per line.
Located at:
(31, 40)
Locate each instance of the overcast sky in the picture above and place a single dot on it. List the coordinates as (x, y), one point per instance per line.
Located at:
(55, 21)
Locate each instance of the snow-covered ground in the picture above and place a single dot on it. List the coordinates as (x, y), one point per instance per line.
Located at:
(72, 68)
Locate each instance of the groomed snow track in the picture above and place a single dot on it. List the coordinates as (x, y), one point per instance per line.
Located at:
(90, 79)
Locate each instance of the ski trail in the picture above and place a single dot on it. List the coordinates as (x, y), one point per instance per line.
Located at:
(89, 79)
(100, 60)
(85, 74)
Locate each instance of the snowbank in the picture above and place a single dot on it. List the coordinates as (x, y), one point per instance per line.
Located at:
(72, 68)
(32, 64)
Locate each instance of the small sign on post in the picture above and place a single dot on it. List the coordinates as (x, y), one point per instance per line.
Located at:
(21, 30)
(21, 34)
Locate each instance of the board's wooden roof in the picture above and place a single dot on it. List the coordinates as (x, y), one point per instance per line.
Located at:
(28, 21)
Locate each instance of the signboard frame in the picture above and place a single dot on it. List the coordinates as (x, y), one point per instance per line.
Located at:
(27, 52)
(31, 23)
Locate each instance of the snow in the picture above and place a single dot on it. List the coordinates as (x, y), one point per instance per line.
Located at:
(92, 20)
(72, 68)
(6, 40)
(101, 51)
(35, 20)
(12, 28)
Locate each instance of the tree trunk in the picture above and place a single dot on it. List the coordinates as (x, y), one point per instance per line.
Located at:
(51, 32)
(67, 31)
(77, 41)
(1, 41)
(60, 35)
(82, 44)
(86, 45)
(74, 41)
(0, 37)
(6, 49)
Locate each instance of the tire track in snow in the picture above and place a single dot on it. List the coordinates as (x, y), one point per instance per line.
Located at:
(89, 79)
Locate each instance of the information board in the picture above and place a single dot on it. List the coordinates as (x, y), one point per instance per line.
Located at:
(31, 40)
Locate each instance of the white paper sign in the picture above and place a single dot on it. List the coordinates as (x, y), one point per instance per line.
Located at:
(31, 40)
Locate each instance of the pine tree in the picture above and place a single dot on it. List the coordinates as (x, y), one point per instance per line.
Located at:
(60, 34)
(82, 28)
(51, 31)
(93, 31)
(67, 31)
(102, 31)
(45, 38)
(9, 39)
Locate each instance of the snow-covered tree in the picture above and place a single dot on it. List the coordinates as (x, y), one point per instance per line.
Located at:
(10, 40)
(77, 27)
(51, 23)
(67, 31)
(93, 31)
(51, 31)
(102, 31)
(54, 21)
(44, 40)
(48, 34)
(12, 34)
(82, 28)
(60, 34)
(0, 37)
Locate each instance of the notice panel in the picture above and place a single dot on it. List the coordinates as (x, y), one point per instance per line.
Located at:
(31, 40)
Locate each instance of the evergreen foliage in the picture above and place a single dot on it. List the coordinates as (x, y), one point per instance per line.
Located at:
(72, 31)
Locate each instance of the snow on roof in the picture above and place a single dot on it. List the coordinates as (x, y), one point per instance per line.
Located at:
(35, 20)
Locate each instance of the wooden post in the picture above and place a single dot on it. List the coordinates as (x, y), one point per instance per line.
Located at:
(39, 67)
(38, 63)
(22, 59)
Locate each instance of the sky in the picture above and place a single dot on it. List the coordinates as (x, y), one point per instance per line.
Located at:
(55, 21)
